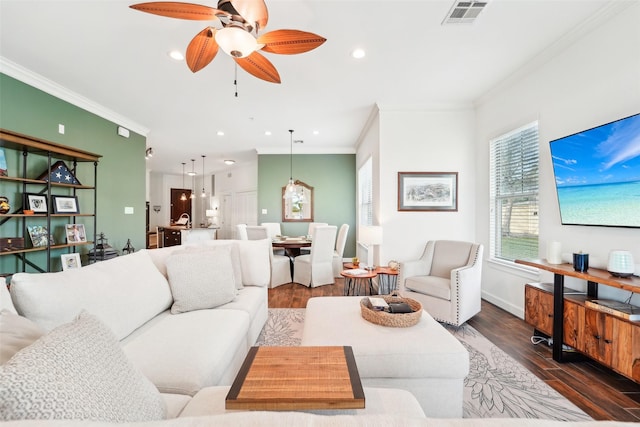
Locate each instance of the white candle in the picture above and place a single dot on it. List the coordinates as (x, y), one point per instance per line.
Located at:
(554, 253)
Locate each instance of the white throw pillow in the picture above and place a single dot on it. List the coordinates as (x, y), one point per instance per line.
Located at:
(77, 371)
(16, 333)
(235, 256)
(201, 279)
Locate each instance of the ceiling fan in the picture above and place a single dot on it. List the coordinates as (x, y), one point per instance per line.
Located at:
(241, 21)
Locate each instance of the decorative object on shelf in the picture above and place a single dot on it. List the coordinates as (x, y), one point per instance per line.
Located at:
(36, 202)
(128, 248)
(102, 251)
(393, 264)
(59, 173)
(65, 204)
(75, 233)
(580, 262)
(554, 253)
(70, 261)
(4, 205)
(621, 263)
(428, 191)
(3, 163)
(39, 235)
(11, 243)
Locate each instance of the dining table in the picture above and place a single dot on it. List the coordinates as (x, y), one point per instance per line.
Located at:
(291, 245)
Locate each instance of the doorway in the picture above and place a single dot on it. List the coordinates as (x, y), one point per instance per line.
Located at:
(178, 206)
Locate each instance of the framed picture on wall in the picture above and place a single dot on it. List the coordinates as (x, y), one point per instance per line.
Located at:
(428, 191)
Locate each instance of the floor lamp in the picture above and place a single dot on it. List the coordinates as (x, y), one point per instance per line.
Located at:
(370, 235)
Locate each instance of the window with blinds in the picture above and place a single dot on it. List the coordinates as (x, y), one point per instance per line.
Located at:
(514, 194)
(365, 191)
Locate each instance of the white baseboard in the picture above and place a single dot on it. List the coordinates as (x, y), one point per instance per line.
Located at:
(503, 304)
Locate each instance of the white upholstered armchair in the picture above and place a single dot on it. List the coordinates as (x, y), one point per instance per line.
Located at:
(446, 280)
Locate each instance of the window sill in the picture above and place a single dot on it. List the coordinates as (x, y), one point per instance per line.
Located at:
(513, 268)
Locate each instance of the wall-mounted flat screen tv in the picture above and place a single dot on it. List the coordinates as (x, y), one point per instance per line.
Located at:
(597, 174)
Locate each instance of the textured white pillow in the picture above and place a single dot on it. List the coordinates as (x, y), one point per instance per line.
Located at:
(16, 333)
(201, 279)
(235, 256)
(77, 371)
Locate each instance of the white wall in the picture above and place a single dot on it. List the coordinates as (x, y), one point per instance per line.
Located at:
(425, 140)
(592, 81)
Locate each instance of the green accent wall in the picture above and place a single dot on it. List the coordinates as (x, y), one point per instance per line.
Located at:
(333, 178)
(121, 170)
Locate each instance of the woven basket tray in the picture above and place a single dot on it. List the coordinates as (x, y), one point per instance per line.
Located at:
(395, 320)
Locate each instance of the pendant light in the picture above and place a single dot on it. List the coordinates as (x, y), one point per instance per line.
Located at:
(183, 196)
(291, 187)
(193, 179)
(204, 194)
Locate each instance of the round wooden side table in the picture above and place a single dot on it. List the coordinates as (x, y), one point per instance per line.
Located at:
(387, 280)
(354, 282)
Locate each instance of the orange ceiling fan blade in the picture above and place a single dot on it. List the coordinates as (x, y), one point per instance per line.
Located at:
(290, 42)
(179, 10)
(202, 49)
(260, 67)
(253, 11)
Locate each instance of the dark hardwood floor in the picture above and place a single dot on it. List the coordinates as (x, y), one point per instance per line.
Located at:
(598, 391)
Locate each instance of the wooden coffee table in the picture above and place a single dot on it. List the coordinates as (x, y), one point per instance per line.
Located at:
(297, 378)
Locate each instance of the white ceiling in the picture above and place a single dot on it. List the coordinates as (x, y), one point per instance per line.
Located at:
(116, 57)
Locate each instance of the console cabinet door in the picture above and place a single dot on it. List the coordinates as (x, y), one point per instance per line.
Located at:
(573, 325)
(538, 310)
(598, 336)
(626, 349)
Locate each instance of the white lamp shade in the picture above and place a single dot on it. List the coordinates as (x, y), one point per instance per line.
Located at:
(371, 235)
(209, 213)
(236, 42)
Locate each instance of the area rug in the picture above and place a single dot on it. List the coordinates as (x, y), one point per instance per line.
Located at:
(497, 385)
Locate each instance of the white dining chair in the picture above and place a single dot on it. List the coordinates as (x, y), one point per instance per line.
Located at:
(316, 269)
(310, 231)
(280, 264)
(241, 232)
(338, 253)
(274, 229)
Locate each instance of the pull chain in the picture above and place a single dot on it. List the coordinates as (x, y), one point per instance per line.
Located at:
(235, 78)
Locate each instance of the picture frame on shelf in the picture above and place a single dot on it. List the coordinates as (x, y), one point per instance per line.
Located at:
(36, 202)
(4, 171)
(65, 204)
(428, 191)
(39, 235)
(75, 233)
(70, 261)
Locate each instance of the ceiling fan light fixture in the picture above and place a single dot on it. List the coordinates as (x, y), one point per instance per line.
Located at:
(176, 55)
(229, 162)
(358, 53)
(236, 42)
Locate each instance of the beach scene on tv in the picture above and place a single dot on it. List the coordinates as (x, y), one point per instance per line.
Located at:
(597, 174)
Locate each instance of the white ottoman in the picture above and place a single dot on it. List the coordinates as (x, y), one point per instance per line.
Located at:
(424, 359)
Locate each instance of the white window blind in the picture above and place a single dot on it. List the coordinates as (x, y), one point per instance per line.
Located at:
(365, 191)
(514, 194)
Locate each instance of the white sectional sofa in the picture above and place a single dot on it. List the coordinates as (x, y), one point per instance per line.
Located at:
(134, 296)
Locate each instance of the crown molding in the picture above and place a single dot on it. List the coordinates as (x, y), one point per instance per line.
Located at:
(26, 76)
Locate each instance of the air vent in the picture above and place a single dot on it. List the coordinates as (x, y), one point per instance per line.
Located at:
(464, 12)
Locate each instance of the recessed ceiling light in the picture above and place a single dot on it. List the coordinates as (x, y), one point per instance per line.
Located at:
(316, 132)
(177, 55)
(267, 132)
(220, 133)
(229, 162)
(358, 53)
